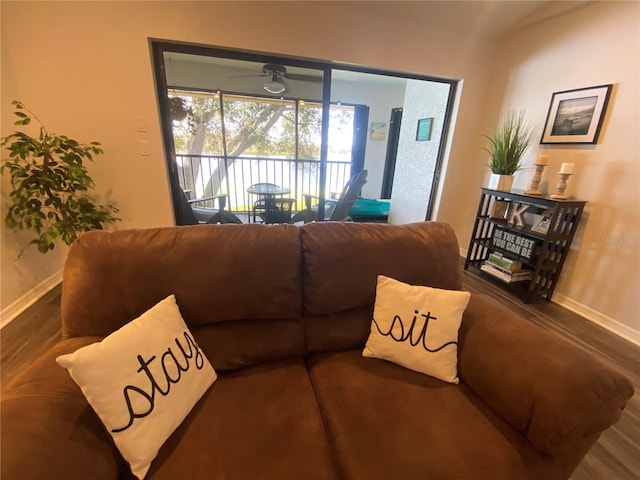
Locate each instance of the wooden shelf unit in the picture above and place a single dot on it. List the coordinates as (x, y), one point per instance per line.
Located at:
(550, 249)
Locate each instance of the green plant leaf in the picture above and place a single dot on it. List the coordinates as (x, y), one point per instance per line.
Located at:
(508, 144)
(49, 182)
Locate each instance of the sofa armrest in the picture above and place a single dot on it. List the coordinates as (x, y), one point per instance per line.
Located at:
(552, 391)
(48, 429)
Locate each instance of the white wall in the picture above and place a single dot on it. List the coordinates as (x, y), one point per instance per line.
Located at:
(416, 160)
(595, 45)
(85, 68)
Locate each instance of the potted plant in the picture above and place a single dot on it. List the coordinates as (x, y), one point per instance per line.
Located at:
(507, 145)
(50, 185)
(178, 109)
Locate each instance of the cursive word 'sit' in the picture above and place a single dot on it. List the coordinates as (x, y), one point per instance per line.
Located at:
(398, 333)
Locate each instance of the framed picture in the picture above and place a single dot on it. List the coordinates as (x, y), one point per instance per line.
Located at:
(378, 130)
(543, 223)
(499, 209)
(424, 129)
(575, 116)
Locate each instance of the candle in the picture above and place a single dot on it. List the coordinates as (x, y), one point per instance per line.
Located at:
(567, 168)
(543, 160)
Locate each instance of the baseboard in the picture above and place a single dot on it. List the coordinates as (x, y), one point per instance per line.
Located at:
(614, 326)
(32, 296)
(592, 315)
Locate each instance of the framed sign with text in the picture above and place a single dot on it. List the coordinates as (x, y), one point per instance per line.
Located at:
(517, 245)
(424, 129)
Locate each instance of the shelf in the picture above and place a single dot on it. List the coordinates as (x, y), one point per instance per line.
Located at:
(542, 253)
(519, 289)
(523, 230)
(486, 243)
(519, 195)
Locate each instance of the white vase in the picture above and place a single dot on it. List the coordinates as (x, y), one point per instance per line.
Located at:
(502, 183)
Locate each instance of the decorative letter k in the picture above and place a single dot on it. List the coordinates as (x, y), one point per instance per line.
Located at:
(516, 215)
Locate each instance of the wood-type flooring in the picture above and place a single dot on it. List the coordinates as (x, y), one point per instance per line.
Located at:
(616, 456)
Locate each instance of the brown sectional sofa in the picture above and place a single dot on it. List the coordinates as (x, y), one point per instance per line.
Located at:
(282, 313)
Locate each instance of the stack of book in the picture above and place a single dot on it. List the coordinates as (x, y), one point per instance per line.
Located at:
(505, 269)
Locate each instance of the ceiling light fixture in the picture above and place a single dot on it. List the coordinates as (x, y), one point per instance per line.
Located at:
(275, 87)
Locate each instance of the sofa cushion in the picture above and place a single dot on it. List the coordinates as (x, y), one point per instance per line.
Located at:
(385, 421)
(262, 422)
(343, 260)
(217, 272)
(417, 327)
(48, 429)
(346, 330)
(233, 345)
(142, 380)
(338, 303)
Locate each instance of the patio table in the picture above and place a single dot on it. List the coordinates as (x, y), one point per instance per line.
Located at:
(268, 191)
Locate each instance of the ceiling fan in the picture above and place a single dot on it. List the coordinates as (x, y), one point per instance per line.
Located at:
(278, 74)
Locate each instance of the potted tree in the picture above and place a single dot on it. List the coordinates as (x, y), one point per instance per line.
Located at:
(50, 185)
(507, 145)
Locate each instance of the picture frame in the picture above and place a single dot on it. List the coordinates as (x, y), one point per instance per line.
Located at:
(543, 223)
(576, 116)
(378, 130)
(423, 132)
(499, 209)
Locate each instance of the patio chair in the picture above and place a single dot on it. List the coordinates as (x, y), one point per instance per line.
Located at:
(336, 210)
(194, 214)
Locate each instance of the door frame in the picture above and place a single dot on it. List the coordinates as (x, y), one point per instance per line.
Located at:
(159, 46)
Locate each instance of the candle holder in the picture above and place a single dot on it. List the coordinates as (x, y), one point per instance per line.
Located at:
(535, 181)
(561, 187)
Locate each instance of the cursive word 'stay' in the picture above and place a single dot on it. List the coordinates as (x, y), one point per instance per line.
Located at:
(397, 331)
(172, 369)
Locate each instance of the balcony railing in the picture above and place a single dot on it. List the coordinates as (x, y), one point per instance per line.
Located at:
(203, 175)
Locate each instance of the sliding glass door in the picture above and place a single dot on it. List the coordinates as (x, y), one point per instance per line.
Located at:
(233, 119)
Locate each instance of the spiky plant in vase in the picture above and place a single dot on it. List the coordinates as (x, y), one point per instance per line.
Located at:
(50, 185)
(507, 146)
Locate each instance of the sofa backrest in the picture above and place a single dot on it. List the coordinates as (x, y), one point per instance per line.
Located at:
(253, 293)
(238, 286)
(343, 260)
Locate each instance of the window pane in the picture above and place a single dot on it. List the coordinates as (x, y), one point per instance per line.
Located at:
(340, 133)
(200, 132)
(256, 127)
(309, 130)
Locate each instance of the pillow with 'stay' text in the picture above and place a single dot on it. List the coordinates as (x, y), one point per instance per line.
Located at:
(143, 380)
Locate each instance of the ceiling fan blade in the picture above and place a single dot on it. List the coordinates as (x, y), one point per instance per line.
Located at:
(303, 78)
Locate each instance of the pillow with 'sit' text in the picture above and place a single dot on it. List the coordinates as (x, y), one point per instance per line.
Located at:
(143, 380)
(417, 327)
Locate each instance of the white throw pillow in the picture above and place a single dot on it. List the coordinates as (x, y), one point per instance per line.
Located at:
(143, 380)
(417, 327)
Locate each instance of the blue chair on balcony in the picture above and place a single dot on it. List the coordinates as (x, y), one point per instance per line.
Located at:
(335, 210)
(194, 214)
